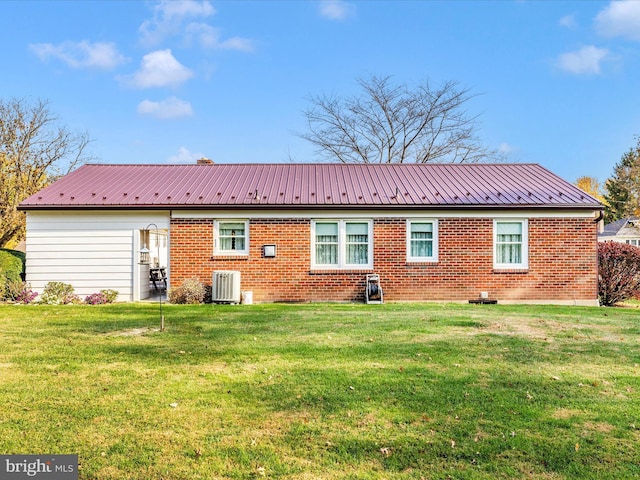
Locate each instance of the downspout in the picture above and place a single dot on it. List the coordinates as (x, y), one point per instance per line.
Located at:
(600, 216)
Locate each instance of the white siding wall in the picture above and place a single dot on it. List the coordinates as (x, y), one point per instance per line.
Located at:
(90, 250)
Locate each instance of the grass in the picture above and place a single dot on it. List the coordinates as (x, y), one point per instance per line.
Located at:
(394, 391)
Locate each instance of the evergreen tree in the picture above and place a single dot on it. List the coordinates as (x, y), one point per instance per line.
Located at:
(623, 188)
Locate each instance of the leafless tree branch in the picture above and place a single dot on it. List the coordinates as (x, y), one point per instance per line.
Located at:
(390, 123)
(35, 149)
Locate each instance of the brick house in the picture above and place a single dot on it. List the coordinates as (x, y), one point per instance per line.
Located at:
(313, 232)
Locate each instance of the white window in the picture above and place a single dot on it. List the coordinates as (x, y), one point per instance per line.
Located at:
(422, 241)
(510, 244)
(231, 237)
(342, 244)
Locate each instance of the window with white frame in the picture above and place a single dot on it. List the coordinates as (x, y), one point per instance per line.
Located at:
(422, 241)
(510, 240)
(231, 237)
(342, 244)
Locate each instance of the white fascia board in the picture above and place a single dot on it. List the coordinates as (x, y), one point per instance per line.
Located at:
(377, 213)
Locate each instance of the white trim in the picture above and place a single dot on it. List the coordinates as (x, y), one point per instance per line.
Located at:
(329, 214)
(342, 245)
(434, 252)
(216, 238)
(524, 264)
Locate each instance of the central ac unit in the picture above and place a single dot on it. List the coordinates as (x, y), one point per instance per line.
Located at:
(225, 286)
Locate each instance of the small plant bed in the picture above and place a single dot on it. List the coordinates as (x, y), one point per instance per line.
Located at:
(394, 391)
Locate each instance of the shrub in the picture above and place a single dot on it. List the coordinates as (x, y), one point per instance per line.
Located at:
(190, 292)
(111, 295)
(26, 295)
(104, 296)
(619, 272)
(11, 270)
(56, 293)
(96, 299)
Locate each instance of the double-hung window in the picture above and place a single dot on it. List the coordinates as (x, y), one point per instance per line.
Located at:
(422, 241)
(342, 244)
(231, 237)
(510, 243)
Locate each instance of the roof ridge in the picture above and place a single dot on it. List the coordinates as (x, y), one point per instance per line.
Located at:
(336, 164)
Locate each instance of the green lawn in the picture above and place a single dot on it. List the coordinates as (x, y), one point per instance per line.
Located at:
(394, 391)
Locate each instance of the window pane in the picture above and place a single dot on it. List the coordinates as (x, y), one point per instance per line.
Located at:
(232, 243)
(327, 229)
(357, 254)
(421, 248)
(357, 229)
(357, 243)
(509, 228)
(326, 254)
(327, 243)
(417, 228)
(509, 253)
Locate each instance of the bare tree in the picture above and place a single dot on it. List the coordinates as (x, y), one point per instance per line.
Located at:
(391, 123)
(35, 149)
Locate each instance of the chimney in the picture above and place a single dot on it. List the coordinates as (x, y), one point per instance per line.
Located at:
(204, 161)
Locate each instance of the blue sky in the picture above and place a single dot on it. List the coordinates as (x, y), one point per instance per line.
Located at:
(558, 83)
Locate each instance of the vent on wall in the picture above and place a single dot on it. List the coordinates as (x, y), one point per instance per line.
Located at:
(226, 286)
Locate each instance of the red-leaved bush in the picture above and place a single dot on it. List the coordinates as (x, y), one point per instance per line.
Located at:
(619, 272)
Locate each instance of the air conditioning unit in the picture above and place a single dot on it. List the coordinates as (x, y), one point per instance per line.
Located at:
(225, 287)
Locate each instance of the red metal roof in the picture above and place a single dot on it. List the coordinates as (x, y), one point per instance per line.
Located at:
(310, 186)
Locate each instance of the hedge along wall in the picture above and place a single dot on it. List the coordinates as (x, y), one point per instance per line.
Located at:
(11, 268)
(562, 262)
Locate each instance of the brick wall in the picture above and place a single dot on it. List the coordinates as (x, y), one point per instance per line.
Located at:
(562, 262)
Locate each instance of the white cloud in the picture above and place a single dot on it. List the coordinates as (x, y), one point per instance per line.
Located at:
(169, 108)
(209, 37)
(237, 43)
(568, 21)
(99, 55)
(185, 156)
(505, 149)
(169, 17)
(336, 9)
(585, 61)
(158, 69)
(620, 19)
(184, 19)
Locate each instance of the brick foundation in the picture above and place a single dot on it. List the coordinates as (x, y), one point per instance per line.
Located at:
(562, 262)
